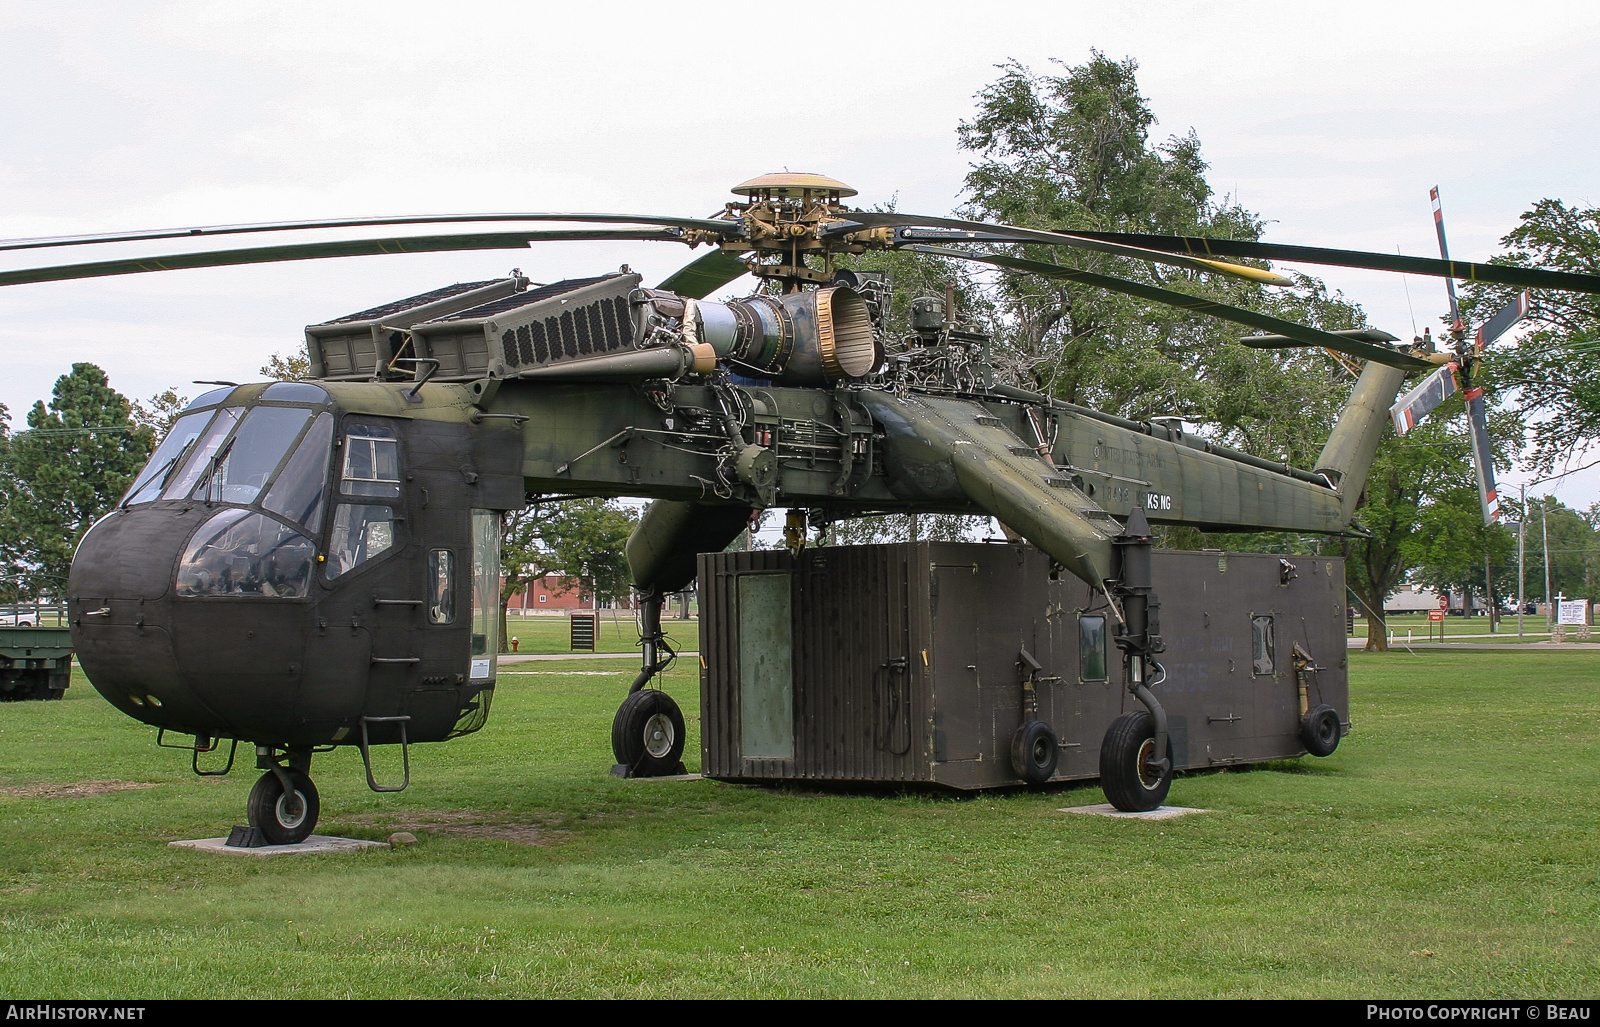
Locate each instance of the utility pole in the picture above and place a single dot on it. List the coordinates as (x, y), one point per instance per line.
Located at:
(1544, 531)
(1522, 566)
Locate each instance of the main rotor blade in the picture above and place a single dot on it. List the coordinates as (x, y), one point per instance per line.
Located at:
(1301, 334)
(1497, 274)
(703, 224)
(700, 278)
(978, 231)
(312, 251)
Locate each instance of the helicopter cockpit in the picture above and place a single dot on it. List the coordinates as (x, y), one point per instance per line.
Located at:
(321, 567)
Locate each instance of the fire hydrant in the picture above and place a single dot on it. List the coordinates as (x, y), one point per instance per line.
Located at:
(513, 643)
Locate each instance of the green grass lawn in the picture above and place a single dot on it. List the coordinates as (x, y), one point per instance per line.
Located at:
(1457, 629)
(1449, 848)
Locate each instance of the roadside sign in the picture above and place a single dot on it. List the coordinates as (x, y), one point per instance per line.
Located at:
(1572, 611)
(1444, 604)
(1436, 615)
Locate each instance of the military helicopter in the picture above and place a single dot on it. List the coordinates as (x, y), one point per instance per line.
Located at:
(307, 565)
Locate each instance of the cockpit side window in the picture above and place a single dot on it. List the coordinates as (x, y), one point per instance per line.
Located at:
(184, 431)
(297, 493)
(360, 533)
(371, 462)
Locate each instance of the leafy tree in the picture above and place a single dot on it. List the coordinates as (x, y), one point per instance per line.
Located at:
(862, 531)
(581, 539)
(158, 415)
(1551, 377)
(1072, 150)
(293, 367)
(1453, 544)
(78, 456)
(1573, 540)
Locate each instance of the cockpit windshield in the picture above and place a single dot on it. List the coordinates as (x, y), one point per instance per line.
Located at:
(298, 492)
(242, 467)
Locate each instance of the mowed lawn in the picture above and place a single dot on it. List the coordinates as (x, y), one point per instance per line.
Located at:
(1449, 848)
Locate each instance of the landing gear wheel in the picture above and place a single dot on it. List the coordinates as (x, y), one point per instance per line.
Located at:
(1130, 782)
(282, 818)
(647, 734)
(1319, 731)
(1034, 752)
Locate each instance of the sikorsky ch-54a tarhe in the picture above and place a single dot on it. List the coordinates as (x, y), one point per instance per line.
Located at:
(305, 565)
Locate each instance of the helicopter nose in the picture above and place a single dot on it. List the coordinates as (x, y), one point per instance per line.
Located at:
(118, 601)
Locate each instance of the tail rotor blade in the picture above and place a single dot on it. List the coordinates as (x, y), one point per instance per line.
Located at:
(1409, 410)
(1482, 455)
(1444, 253)
(1502, 321)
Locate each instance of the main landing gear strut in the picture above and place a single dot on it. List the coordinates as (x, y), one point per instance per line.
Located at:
(1136, 754)
(647, 734)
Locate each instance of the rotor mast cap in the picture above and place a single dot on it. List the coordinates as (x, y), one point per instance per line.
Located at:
(784, 185)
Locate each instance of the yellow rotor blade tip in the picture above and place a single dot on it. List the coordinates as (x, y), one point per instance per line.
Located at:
(1253, 273)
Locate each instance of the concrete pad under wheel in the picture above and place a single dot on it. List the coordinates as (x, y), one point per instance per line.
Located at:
(1105, 809)
(314, 844)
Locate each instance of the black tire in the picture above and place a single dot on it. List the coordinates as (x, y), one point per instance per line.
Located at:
(647, 734)
(1320, 729)
(280, 819)
(1034, 752)
(1127, 779)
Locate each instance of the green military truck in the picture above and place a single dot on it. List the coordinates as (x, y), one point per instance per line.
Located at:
(35, 658)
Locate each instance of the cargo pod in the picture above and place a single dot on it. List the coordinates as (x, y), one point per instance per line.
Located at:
(949, 663)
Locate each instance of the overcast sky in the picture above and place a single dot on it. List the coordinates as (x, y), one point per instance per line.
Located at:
(1331, 122)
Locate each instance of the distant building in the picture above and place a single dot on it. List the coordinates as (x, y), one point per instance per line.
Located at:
(555, 592)
(1412, 599)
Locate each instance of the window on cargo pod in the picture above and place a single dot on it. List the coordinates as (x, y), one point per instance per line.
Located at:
(441, 586)
(1092, 648)
(371, 462)
(1261, 645)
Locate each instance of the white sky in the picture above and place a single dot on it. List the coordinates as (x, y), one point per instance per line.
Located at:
(1332, 122)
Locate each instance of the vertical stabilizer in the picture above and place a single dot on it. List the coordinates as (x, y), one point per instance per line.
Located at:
(1347, 457)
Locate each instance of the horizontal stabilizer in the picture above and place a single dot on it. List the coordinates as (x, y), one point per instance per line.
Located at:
(1409, 410)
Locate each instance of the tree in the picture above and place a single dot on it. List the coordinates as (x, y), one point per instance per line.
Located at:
(1453, 545)
(77, 458)
(157, 417)
(1572, 538)
(1551, 377)
(581, 539)
(295, 367)
(1072, 150)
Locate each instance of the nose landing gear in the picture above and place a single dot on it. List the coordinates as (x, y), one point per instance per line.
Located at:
(284, 804)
